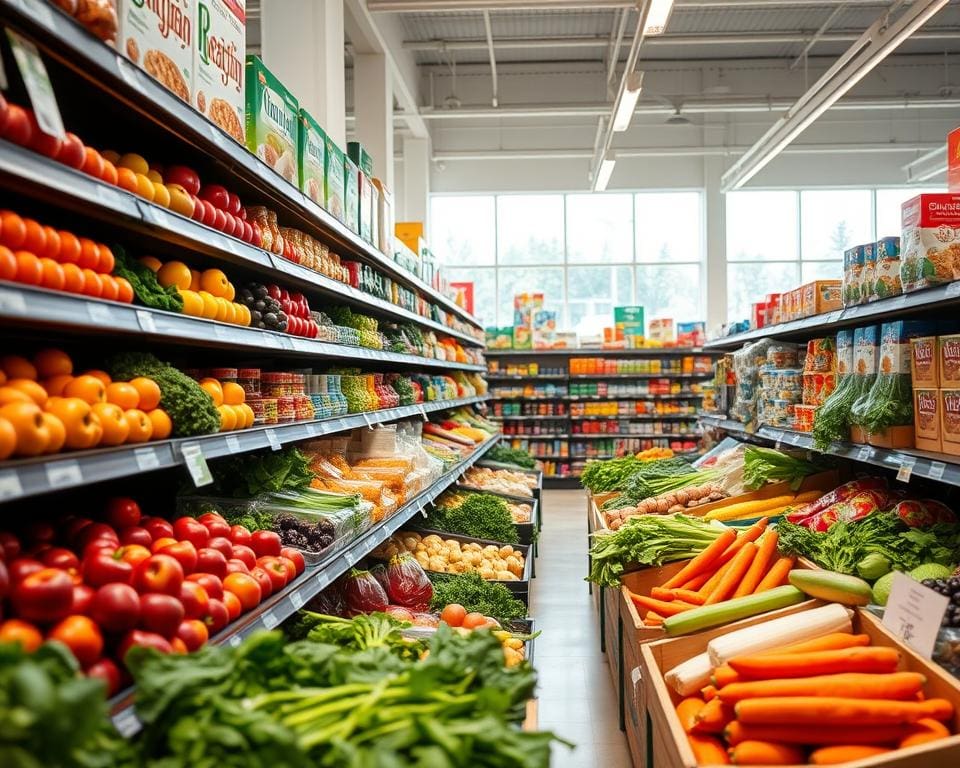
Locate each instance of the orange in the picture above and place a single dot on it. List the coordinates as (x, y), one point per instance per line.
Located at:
(13, 229)
(145, 187)
(53, 277)
(52, 362)
(243, 314)
(17, 367)
(29, 268)
(212, 387)
(228, 418)
(82, 425)
(102, 375)
(124, 290)
(192, 303)
(214, 281)
(116, 428)
(109, 288)
(92, 284)
(8, 439)
(3, 377)
(140, 426)
(222, 305)
(233, 393)
(52, 251)
(27, 421)
(162, 426)
(89, 254)
(106, 262)
(149, 392)
(248, 413)
(210, 306)
(231, 292)
(69, 247)
(161, 195)
(58, 433)
(88, 388)
(31, 389)
(174, 273)
(36, 239)
(92, 162)
(154, 176)
(194, 280)
(73, 280)
(14, 395)
(8, 264)
(111, 156)
(110, 174)
(26, 635)
(152, 262)
(241, 416)
(136, 163)
(230, 312)
(123, 394)
(127, 179)
(56, 384)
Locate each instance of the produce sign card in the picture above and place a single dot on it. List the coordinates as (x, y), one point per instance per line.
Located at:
(914, 613)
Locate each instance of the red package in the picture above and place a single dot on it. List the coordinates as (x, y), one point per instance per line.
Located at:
(407, 584)
(920, 514)
(363, 593)
(379, 572)
(854, 508)
(841, 493)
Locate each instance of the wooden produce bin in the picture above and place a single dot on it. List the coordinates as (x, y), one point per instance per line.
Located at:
(672, 750)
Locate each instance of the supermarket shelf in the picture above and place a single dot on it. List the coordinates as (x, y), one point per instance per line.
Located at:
(667, 417)
(536, 437)
(502, 417)
(60, 37)
(551, 457)
(531, 399)
(33, 477)
(33, 174)
(595, 351)
(631, 376)
(279, 607)
(929, 300)
(640, 436)
(941, 467)
(518, 377)
(605, 398)
(38, 307)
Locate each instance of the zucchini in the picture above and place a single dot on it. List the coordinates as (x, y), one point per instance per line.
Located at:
(708, 616)
(835, 587)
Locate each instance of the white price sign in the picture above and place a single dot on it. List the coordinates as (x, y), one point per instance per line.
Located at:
(100, 313)
(269, 620)
(146, 458)
(914, 613)
(297, 600)
(64, 474)
(146, 322)
(906, 469)
(272, 439)
(13, 303)
(233, 444)
(937, 469)
(10, 487)
(38, 86)
(196, 464)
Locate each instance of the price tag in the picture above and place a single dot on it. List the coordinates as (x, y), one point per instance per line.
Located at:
(834, 316)
(367, 418)
(313, 429)
(63, 474)
(235, 641)
(906, 469)
(936, 470)
(865, 453)
(272, 439)
(423, 411)
(796, 438)
(147, 459)
(100, 313)
(196, 464)
(233, 444)
(145, 321)
(269, 620)
(159, 217)
(37, 82)
(897, 302)
(297, 600)
(778, 442)
(914, 613)
(350, 558)
(953, 290)
(13, 303)
(126, 722)
(10, 487)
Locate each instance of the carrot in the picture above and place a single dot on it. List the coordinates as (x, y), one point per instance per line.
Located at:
(901, 686)
(776, 665)
(776, 576)
(687, 712)
(724, 675)
(712, 582)
(751, 534)
(704, 561)
(923, 731)
(697, 582)
(708, 750)
(738, 567)
(843, 753)
(766, 552)
(816, 710)
(766, 753)
(659, 593)
(653, 619)
(736, 732)
(713, 717)
(659, 606)
(835, 641)
(688, 596)
(708, 692)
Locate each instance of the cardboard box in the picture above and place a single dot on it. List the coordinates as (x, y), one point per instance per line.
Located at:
(385, 217)
(272, 120)
(893, 437)
(930, 241)
(953, 160)
(950, 421)
(926, 420)
(218, 64)
(853, 261)
(923, 362)
(334, 183)
(820, 296)
(351, 195)
(159, 38)
(947, 361)
(410, 233)
(311, 158)
(844, 352)
(887, 271)
(360, 157)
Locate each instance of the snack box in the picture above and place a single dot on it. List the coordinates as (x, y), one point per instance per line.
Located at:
(159, 38)
(853, 261)
(868, 275)
(366, 203)
(926, 420)
(930, 241)
(311, 158)
(334, 180)
(820, 296)
(272, 120)
(950, 421)
(887, 272)
(218, 64)
(670, 744)
(947, 361)
(923, 361)
(351, 195)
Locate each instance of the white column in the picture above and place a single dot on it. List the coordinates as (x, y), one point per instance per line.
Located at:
(415, 197)
(373, 107)
(715, 232)
(302, 44)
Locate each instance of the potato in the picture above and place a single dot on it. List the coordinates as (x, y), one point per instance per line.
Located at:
(491, 550)
(459, 567)
(488, 573)
(452, 543)
(438, 564)
(505, 576)
(421, 557)
(432, 539)
(506, 550)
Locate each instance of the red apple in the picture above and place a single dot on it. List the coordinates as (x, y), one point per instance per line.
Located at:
(264, 580)
(188, 529)
(161, 614)
(193, 633)
(240, 535)
(18, 128)
(275, 570)
(211, 561)
(82, 599)
(137, 637)
(116, 607)
(213, 584)
(295, 556)
(22, 567)
(71, 151)
(44, 596)
(107, 671)
(195, 599)
(245, 554)
(123, 512)
(136, 535)
(217, 195)
(158, 527)
(60, 557)
(184, 553)
(222, 545)
(104, 567)
(214, 523)
(236, 566)
(217, 616)
(161, 574)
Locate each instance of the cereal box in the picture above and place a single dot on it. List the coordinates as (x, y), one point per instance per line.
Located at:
(159, 38)
(930, 241)
(853, 259)
(334, 180)
(948, 361)
(869, 274)
(821, 296)
(865, 343)
(366, 201)
(886, 280)
(950, 421)
(218, 64)
(311, 158)
(923, 362)
(272, 120)
(895, 344)
(351, 195)
(926, 419)
(360, 156)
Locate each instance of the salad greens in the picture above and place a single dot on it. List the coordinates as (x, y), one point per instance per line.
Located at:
(504, 455)
(889, 403)
(652, 478)
(249, 475)
(765, 465)
(832, 419)
(480, 515)
(609, 475)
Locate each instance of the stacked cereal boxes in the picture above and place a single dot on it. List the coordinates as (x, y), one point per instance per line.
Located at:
(820, 375)
(272, 121)
(930, 241)
(780, 385)
(218, 64)
(525, 306)
(935, 366)
(159, 38)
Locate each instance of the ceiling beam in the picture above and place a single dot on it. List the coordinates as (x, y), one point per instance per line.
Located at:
(450, 6)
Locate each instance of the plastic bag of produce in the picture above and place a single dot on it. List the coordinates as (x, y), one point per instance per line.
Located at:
(362, 593)
(855, 508)
(920, 514)
(841, 493)
(407, 584)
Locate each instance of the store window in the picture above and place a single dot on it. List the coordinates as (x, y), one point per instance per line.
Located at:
(514, 280)
(600, 229)
(530, 229)
(462, 230)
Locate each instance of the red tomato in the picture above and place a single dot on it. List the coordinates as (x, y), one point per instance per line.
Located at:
(96, 531)
(136, 535)
(211, 561)
(22, 567)
(215, 524)
(212, 584)
(158, 527)
(236, 566)
(245, 554)
(217, 617)
(11, 545)
(122, 512)
(137, 637)
(264, 580)
(44, 596)
(188, 529)
(222, 545)
(193, 633)
(160, 573)
(116, 607)
(453, 614)
(266, 543)
(60, 557)
(82, 599)
(275, 570)
(82, 636)
(133, 554)
(195, 600)
(161, 614)
(184, 553)
(103, 567)
(246, 588)
(233, 605)
(296, 557)
(107, 671)
(240, 535)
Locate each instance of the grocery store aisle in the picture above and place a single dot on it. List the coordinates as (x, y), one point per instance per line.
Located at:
(577, 700)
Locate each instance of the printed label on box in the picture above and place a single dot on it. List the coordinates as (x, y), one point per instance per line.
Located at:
(333, 180)
(930, 241)
(218, 66)
(312, 158)
(949, 359)
(272, 120)
(923, 364)
(157, 35)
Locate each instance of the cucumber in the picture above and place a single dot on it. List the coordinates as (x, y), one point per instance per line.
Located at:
(835, 587)
(707, 616)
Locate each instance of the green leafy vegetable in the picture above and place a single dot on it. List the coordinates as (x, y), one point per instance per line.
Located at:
(652, 478)
(889, 403)
(832, 419)
(609, 475)
(480, 515)
(143, 280)
(249, 475)
(765, 465)
(475, 594)
(504, 455)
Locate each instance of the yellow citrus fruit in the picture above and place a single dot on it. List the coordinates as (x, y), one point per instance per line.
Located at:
(222, 305)
(228, 418)
(145, 187)
(233, 393)
(231, 292)
(241, 416)
(136, 163)
(192, 303)
(161, 195)
(162, 425)
(230, 312)
(215, 282)
(212, 387)
(248, 413)
(174, 273)
(152, 262)
(194, 280)
(243, 314)
(210, 306)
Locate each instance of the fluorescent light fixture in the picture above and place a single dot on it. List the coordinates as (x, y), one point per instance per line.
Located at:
(657, 17)
(601, 176)
(628, 102)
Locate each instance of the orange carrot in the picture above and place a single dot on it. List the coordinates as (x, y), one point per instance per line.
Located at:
(738, 567)
(653, 619)
(766, 552)
(660, 593)
(776, 576)
(835, 641)
(923, 731)
(659, 606)
(737, 732)
(708, 692)
(711, 583)
(687, 712)
(751, 534)
(704, 561)
(771, 666)
(688, 596)
(724, 675)
(817, 710)
(713, 717)
(697, 581)
(766, 753)
(844, 753)
(708, 750)
(901, 686)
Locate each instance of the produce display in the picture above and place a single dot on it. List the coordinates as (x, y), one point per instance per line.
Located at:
(500, 481)
(504, 455)
(478, 515)
(503, 563)
(519, 512)
(476, 595)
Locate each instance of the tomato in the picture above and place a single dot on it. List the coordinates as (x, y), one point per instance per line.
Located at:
(217, 617)
(184, 553)
(233, 605)
(245, 554)
(70, 528)
(133, 554)
(107, 671)
(17, 631)
(44, 596)
(213, 585)
(116, 607)
(264, 580)
(160, 573)
(136, 535)
(240, 535)
(195, 599)
(11, 545)
(82, 599)
(157, 526)
(22, 567)
(104, 567)
(246, 588)
(96, 531)
(188, 529)
(163, 541)
(453, 615)
(137, 637)
(60, 557)
(161, 614)
(99, 545)
(221, 544)
(266, 543)
(289, 567)
(193, 633)
(82, 636)
(474, 621)
(275, 570)
(236, 566)
(215, 524)
(296, 557)
(122, 512)
(211, 561)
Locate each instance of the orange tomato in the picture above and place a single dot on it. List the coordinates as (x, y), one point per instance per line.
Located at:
(92, 162)
(56, 384)
(8, 264)
(27, 421)
(149, 392)
(110, 173)
(474, 621)
(31, 389)
(234, 609)
(87, 388)
(212, 387)
(116, 428)
(245, 587)
(58, 433)
(109, 290)
(92, 284)
(73, 279)
(141, 428)
(174, 273)
(29, 268)
(162, 425)
(17, 367)
(105, 262)
(102, 375)
(215, 282)
(52, 362)
(12, 230)
(89, 254)
(228, 418)
(127, 179)
(453, 614)
(124, 290)
(17, 631)
(8, 439)
(36, 239)
(233, 393)
(151, 262)
(145, 187)
(82, 425)
(123, 394)
(82, 636)
(52, 251)
(69, 247)
(14, 395)
(53, 276)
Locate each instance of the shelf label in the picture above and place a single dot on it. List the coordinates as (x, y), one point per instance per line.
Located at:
(865, 453)
(953, 290)
(63, 474)
(130, 74)
(126, 722)
(100, 313)
(936, 470)
(196, 464)
(350, 557)
(914, 613)
(10, 487)
(367, 418)
(145, 321)
(906, 469)
(235, 641)
(38, 86)
(272, 439)
(233, 444)
(269, 620)
(423, 411)
(313, 429)
(296, 600)
(147, 459)
(13, 303)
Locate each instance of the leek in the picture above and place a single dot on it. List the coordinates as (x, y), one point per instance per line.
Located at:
(707, 616)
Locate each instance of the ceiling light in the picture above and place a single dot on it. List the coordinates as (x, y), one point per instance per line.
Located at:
(657, 17)
(628, 102)
(601, 176)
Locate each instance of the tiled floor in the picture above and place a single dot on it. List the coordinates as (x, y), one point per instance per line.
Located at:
(577, 700)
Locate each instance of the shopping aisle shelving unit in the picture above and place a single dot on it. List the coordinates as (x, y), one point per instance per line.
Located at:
(574, 446)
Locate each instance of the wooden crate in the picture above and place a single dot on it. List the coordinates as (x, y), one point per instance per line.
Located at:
(822, 481)
(612, 633)
(635, 718)
(670, 743)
